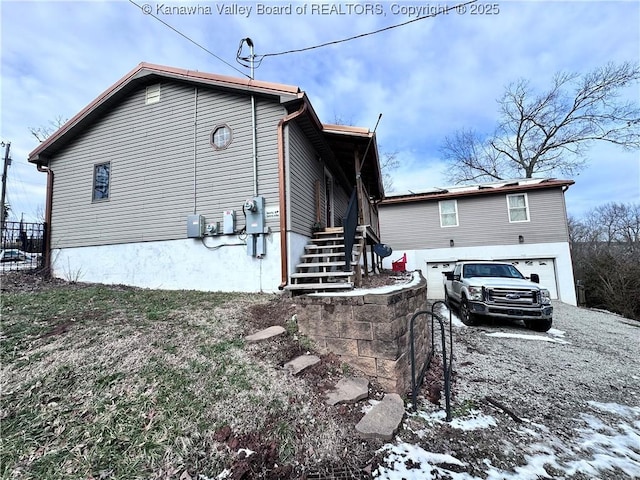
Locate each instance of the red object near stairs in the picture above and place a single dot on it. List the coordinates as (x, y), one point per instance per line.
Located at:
(400, 264)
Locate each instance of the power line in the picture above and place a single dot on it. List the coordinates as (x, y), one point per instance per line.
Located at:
(148, 11)
(334, 42)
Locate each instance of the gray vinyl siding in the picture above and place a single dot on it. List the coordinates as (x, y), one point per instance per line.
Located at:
(304, 171)
(482, 220)
(340, 203)
(151, 150)
(225, 177)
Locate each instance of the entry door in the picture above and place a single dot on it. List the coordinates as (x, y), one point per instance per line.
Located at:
(328, 196)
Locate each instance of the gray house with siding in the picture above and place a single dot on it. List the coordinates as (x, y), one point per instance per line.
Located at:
(520, 221)
(180, 179)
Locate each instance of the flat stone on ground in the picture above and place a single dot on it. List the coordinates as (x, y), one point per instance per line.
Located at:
(383, 420)
(298, 364)
(349, 390)
(265, 334)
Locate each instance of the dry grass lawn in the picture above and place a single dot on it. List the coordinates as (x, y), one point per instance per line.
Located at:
(111, 382)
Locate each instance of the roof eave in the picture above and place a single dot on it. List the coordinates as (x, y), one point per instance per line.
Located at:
(284, 93)
(446, 195)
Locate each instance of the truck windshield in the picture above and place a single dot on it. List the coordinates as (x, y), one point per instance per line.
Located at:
(490, 270)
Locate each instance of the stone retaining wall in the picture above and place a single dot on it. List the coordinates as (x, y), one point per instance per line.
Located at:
(370, 331)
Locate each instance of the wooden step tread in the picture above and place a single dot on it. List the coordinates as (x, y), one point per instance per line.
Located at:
(321, 274)
(320, 264)
(333, 239)
(322, 255)
(320, 286)
(328, 239)
(322, 247)
(330, 231)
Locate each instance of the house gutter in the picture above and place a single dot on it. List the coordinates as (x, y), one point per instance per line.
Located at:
(282, 181)
(47, 218)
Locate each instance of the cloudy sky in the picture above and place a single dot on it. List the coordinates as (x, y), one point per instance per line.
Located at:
(428, 78)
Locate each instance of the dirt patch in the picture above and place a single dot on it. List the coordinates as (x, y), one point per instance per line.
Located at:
(28, 281)
(385, 278)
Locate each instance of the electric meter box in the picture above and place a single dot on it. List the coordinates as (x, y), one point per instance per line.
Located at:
(229, 222)
(195, 226)
(255, 216)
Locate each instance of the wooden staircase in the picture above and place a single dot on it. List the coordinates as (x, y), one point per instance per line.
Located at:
(322, 266)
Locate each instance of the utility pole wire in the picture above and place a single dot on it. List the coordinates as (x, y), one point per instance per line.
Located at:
(334, 42)
(150, 13)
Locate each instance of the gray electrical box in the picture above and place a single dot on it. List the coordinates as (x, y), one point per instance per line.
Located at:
(195, 226)
(229, 222)
(254, 211)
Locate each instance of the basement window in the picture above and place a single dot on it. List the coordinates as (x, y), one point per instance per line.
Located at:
(448, 213)
(518, 207)
(221, 137)
(152, 94)
(101, 175)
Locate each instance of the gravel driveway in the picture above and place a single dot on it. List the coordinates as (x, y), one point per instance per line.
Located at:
(529, 405)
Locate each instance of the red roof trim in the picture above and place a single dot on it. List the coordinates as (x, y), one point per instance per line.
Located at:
(444, 195)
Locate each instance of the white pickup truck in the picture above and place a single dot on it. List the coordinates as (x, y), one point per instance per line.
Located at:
(497, 289)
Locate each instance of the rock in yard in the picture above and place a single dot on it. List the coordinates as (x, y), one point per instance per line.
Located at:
(298, 364)
(349, 390)
(383, 420)
(265, 334)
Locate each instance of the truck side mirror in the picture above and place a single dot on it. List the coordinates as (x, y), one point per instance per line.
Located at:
(448, 275)
(535, 278)
(456, 277)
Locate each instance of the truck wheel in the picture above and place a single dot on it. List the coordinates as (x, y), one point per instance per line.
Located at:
(539, 325)
(466, 316)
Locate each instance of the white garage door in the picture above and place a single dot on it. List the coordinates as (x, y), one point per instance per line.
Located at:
(435, 285)
(545, 268)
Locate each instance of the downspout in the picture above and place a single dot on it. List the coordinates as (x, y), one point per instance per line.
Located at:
(255, 145)
(195, 150)
(282, 180)
(47, 219)
(253, 120)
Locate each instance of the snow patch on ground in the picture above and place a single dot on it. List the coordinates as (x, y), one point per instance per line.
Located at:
(410, 462)
(598, 448)
(554, 332)
(444, 312)
(527, 337)
(474, 420)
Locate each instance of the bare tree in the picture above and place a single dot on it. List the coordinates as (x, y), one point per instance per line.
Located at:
(43, 132)
(388, 163)
(550, 132)
(388, 160)
(606, 257)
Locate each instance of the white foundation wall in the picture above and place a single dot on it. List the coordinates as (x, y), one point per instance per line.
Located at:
(174, 265)
(297, 243)
(559, 252)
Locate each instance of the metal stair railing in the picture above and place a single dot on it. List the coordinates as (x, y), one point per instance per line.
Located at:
(416, 383)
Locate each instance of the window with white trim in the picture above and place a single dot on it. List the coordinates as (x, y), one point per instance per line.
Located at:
(448, 213)
(101, 176)
(518, 207)
(152, 94)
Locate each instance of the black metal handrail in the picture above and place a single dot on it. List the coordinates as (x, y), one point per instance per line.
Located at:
(416, 383)
(350, 225)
